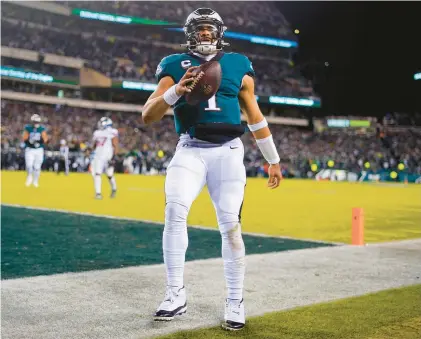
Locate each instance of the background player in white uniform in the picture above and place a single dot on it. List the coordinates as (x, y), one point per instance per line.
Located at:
(64, 157)
(105, 143)
(34, 138)
(209, 152)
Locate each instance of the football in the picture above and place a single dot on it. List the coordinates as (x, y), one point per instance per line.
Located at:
(207, 80)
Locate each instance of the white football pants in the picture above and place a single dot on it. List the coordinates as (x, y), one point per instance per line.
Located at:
(100, 166)
(34, 157)
(195, 164)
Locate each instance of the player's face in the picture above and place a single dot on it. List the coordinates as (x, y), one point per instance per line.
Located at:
(206, 33)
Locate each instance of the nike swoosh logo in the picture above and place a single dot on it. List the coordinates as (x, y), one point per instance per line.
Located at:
(233, 147)
(236, 312)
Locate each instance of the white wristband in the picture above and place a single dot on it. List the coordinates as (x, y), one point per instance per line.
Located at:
(171, 96)
(258, 126)
(268, 149)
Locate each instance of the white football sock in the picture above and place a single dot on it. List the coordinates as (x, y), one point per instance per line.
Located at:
(113, 183)
(37, 173)
(175, 242)
(233, 253)
(97, 182)
(29, 178)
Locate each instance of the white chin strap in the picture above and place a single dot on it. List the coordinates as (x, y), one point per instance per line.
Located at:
(206, 48)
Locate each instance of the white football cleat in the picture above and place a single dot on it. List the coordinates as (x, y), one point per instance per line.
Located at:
(234, 318)
(28, 181)
(175, 303)
(35, 184)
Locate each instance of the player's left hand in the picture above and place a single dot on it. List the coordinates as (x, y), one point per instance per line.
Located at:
(275, 176)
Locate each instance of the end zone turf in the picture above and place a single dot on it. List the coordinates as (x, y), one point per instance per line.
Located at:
(301, 209)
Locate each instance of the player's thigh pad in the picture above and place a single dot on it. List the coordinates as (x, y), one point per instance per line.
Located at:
(98, 165)
(29, 158)
(226, 179)
(186, 175)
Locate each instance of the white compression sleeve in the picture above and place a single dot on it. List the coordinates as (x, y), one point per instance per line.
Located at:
(268, 149)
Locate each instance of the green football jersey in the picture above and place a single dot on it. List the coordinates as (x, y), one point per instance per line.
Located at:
(35, 136)
(221, 114)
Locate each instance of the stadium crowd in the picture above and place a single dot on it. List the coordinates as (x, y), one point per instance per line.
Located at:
(150, 148)
(252, 17)
(134, 58)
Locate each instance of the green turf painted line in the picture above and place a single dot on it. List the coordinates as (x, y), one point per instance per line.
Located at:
(391, 314)
(42, 243)
(206, 228)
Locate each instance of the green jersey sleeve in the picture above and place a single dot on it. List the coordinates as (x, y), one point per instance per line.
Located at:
(169, 66)
(249, 67)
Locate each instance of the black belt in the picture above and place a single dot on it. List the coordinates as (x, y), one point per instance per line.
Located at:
(217, 133)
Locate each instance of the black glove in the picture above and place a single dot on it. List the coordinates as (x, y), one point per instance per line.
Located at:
(111, 163)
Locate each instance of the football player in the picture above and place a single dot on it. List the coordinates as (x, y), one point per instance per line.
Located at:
(63, 164)
(105, 146)
(34, 138)
(209, 152)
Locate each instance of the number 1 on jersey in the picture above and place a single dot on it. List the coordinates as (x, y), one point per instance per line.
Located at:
(212, 105)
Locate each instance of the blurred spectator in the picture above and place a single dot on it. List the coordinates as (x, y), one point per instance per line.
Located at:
(150, 148)
(136, 57)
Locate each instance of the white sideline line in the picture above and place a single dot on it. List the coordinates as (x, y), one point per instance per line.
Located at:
(161, 223)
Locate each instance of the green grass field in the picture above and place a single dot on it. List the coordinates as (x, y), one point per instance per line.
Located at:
(391, 314)
(299, 208)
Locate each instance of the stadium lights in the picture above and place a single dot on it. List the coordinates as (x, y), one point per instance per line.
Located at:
(256, 39)
(141, 86)
(294, 101)
(124, 19)
(417, 76)
(348, 123)
(21, 74)
(146, 86)
(119, 19)
(297, 31)
(18, 73)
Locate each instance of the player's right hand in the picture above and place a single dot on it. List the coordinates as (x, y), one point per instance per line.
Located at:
(182, 86)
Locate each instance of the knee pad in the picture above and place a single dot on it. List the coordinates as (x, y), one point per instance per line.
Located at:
(232, 241)
(109, 171)
(175, 214)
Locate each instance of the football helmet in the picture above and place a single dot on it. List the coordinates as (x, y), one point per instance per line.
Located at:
(104, 122)
(36, 119)
(204, 17)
